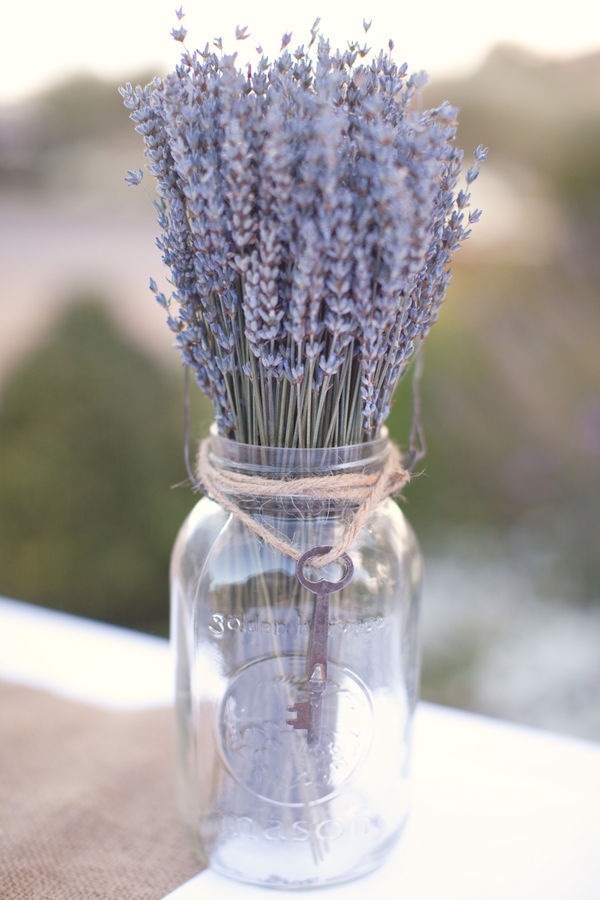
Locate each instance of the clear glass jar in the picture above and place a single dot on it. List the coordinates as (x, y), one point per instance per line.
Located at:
(293, 767)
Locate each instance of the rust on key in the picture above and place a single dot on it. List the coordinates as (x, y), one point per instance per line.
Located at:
(308, 712)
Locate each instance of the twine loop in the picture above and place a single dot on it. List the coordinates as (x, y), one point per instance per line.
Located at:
(365, 489)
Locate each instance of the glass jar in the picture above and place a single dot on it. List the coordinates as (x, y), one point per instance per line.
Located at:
(295, 686)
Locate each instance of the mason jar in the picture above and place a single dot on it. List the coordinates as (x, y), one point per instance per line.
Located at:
(295, 684)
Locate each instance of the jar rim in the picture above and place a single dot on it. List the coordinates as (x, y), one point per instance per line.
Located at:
(258, 459)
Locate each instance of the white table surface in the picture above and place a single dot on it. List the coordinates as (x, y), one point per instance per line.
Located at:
(500, 812)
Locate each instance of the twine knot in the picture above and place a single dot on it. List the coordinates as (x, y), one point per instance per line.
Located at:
(364, 489)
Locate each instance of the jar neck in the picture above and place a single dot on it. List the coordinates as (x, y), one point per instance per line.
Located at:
(292, 463)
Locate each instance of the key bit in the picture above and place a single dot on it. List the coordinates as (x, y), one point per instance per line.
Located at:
(308, 712)
(302, 711)
(307, 717)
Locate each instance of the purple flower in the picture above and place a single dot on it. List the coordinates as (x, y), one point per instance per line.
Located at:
(134, 177)
(308, 215)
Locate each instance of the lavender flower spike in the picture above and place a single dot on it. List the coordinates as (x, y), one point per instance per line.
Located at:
(309, 213)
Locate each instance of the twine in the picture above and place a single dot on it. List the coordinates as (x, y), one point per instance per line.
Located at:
(366, 489)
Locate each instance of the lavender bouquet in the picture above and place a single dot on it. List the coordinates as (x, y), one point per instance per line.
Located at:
(309, 213)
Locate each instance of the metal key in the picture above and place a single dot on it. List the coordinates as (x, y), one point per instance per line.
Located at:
(308, 712)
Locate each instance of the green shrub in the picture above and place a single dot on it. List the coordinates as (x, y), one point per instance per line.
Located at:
(91, 433)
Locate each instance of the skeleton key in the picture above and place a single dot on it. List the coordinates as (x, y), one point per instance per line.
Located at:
(308, 712)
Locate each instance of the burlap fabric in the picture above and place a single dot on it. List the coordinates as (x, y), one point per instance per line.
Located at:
(87, 805)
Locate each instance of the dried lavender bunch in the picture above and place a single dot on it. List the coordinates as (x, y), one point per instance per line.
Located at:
(308, 217)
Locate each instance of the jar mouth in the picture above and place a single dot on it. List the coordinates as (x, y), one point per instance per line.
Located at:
(292, 461)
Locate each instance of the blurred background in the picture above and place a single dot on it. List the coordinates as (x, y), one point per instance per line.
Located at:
(92, 475)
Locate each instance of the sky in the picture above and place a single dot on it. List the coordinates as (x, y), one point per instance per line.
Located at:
(43, 42)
